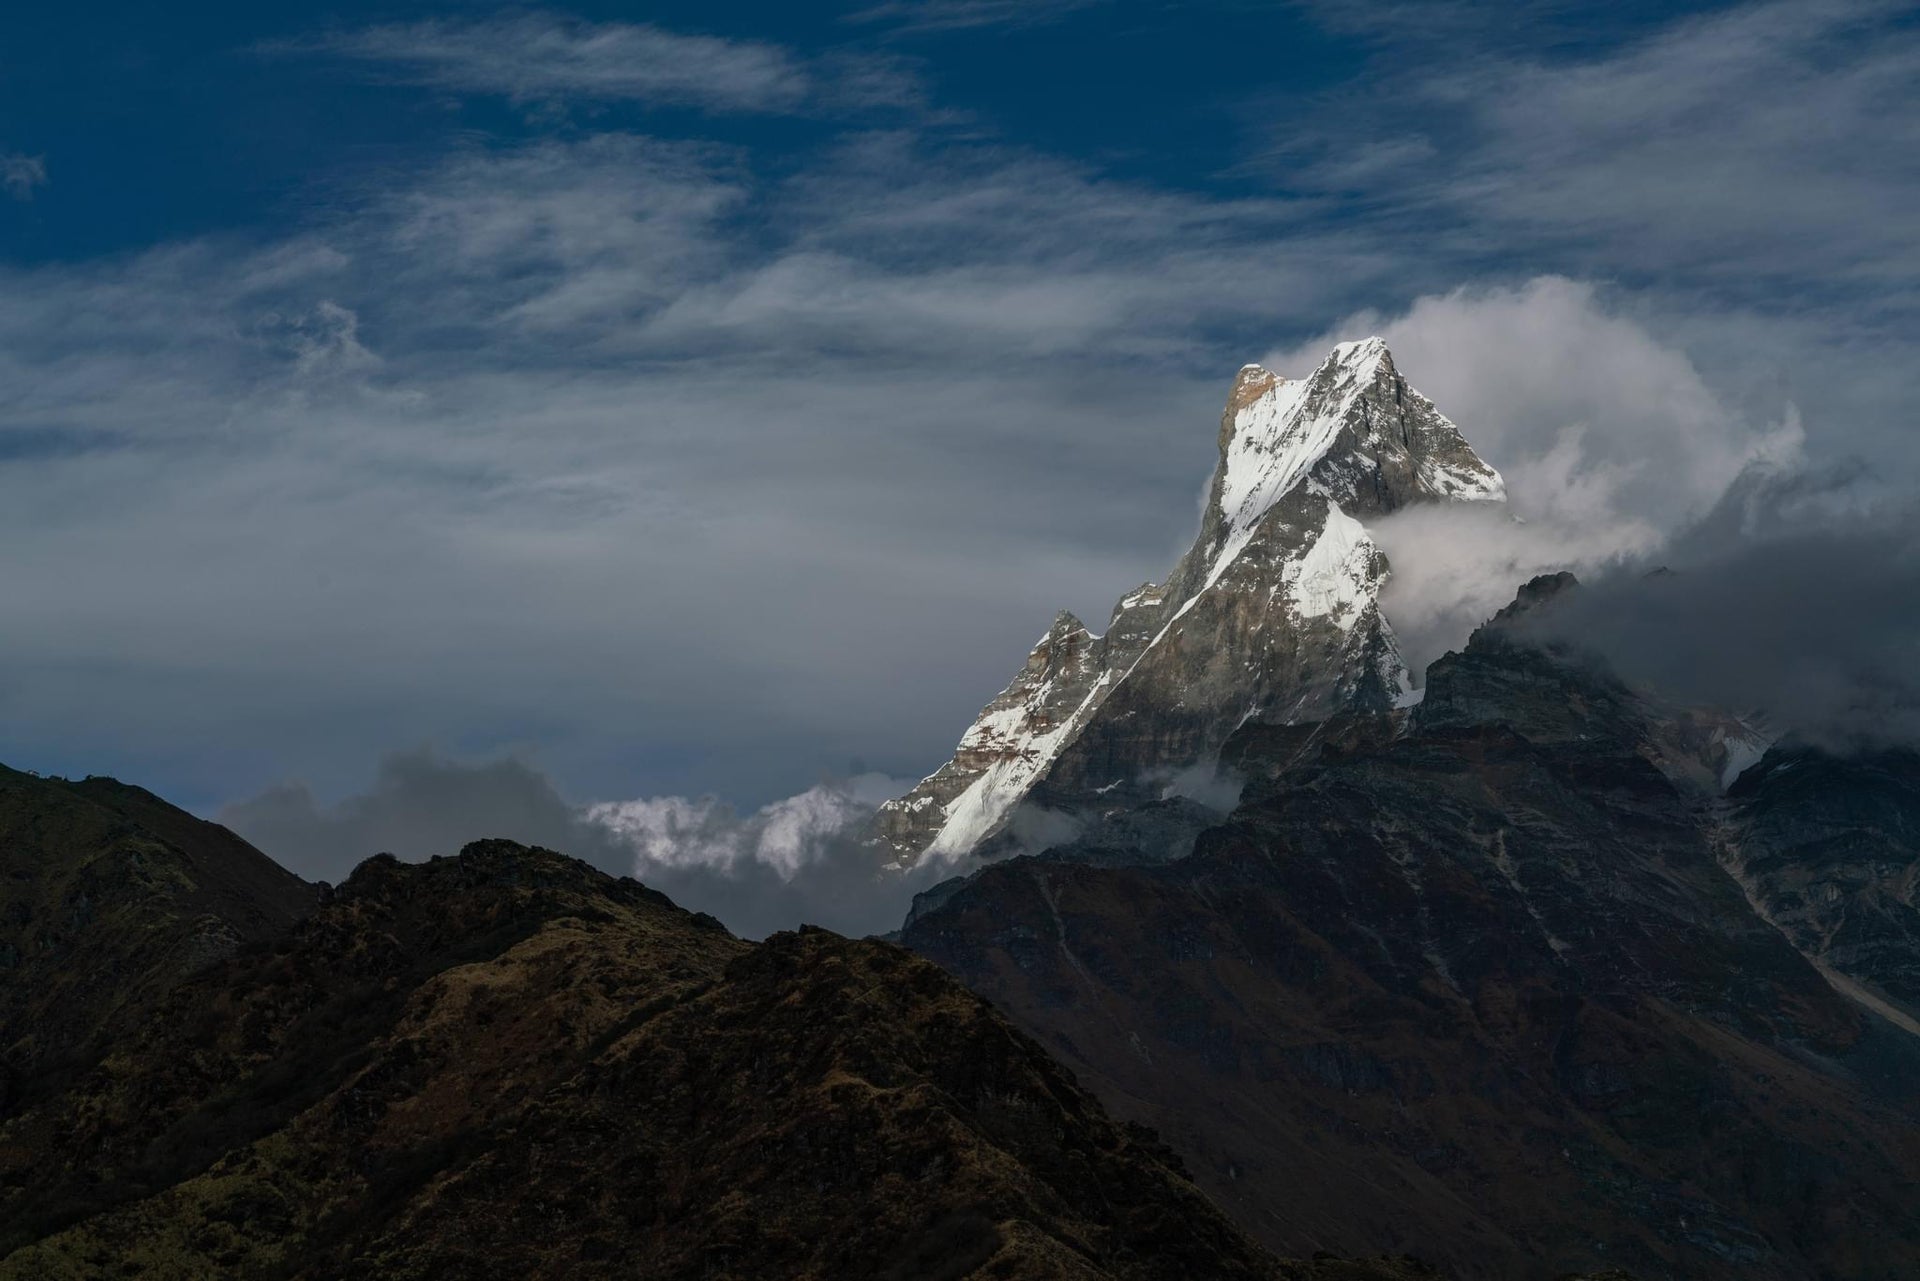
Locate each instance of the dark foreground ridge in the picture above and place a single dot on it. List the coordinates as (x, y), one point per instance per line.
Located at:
(508, 1064)
(110, 897)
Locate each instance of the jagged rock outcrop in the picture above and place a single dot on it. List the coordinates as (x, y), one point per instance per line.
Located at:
(1828, 848)
(1012, 743)
(1273, 614)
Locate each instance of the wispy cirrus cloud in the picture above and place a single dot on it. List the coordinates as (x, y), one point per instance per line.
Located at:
(953, 15)
(1738, 152)
(551, 58)
(21, 175)
(556, 398)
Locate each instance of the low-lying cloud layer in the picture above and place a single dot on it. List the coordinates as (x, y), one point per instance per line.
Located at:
(802, 859)
(794, 861)
(787, 836)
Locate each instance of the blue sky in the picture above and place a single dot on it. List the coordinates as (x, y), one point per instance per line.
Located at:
(221, 118)
(692, 399)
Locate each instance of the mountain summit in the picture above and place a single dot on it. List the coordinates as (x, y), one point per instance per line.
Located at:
(1273, 614)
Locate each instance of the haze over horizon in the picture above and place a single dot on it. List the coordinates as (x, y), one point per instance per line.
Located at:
(588, 409)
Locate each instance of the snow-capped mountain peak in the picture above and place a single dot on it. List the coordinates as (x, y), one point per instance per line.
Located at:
(1274, 612)
(1283, 432)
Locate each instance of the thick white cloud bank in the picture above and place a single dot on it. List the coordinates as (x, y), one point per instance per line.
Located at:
(1611, 441)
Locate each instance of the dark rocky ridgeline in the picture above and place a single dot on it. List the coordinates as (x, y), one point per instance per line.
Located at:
(508, 1064)
(1480, 982)
(109, 897)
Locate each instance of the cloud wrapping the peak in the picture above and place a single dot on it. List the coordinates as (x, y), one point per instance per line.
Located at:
(1588, 414)
(1609, 439)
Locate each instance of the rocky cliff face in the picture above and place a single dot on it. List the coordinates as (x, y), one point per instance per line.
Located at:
(1272, 615)
(1828, 849)
(1481, 972)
